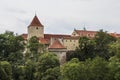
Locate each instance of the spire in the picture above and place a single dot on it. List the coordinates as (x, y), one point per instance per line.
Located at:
(35, 22)
(74, 29)
(84, 28)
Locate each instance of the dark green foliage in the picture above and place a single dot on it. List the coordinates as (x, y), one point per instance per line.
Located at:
(9, 43)
(33, 44)
(48, 62)
(98, 59)
(34, 49)
(96, 69)
(21, 72)
(102, 40)
(16, 58)
(99, 69)
(71, 70)
(85, 49)
(114, 68)
(90, 48)
(3, 75)
(5, 70)
(30, 70)
(115, 48)
(52, 74)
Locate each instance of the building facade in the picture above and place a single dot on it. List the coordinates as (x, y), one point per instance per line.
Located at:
(58, 43)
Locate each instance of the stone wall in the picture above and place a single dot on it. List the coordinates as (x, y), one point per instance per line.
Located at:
(35, 31)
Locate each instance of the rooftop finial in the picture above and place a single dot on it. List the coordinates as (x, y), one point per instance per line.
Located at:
(74, 29)
(35, 13)
(84, 28)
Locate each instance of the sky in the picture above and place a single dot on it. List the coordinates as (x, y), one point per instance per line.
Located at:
(60, 16)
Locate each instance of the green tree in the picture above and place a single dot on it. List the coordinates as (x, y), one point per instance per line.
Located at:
(99, 69)
(35, 48)
(5, 71)
(16, 58)
(114, 68)
(102, 40)
(10, 44)
(33, 44)
(85, 49)
(71, 70)
(11, 50)
(30, 69)
(114, 61)
(21, 73)
(47, 62)
(114, 49)
(52, 74)
(3, 74)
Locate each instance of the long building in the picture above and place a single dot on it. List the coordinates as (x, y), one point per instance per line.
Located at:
(58, 43)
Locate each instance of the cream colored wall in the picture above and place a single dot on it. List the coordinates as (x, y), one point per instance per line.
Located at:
(33, 31)
(70, 44)
(61, 56)
(61, 53)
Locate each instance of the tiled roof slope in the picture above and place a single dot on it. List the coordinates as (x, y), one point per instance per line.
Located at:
(85, 32)
(49, 36)
(44, 41)
(24, 36)
(35, 22)
(56, 45)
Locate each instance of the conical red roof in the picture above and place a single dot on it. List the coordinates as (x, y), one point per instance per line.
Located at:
(35, 22)
(56, 45)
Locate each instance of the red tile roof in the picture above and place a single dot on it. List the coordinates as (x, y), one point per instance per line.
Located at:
(85, 32)
(35, 22)
(49, 36)
(24, 36)
(113, 34)
(56, 45)
(118, 35)
(44, 41)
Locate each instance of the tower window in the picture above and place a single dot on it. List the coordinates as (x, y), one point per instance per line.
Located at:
(36, 27)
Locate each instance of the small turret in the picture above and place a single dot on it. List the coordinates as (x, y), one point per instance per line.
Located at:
(35, 28)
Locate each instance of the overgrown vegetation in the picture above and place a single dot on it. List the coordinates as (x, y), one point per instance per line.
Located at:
(94, 59)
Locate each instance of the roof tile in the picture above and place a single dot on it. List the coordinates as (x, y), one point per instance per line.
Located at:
(56, 45)
(35, 22)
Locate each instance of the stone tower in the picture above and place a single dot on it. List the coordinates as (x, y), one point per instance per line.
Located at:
(35, 28)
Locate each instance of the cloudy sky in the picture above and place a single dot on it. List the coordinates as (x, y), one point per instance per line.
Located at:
(60, 16)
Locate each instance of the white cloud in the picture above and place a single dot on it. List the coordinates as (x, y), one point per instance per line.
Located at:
(59, 16)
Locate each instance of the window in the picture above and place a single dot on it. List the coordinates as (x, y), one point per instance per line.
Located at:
(88, 35)
(36, 27)
(74, 34)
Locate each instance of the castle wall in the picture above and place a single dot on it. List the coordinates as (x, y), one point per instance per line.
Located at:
(35, 31)
(61, 53)
(70, 44)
